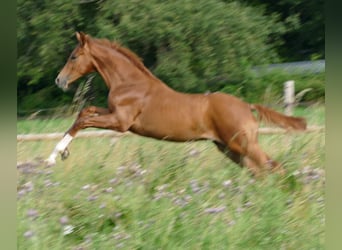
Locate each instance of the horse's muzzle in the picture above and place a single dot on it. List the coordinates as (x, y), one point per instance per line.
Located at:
(62, 83)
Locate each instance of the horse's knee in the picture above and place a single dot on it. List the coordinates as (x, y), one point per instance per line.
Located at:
(238, 145)
(121, 127)
(79, 123)
(87, 111)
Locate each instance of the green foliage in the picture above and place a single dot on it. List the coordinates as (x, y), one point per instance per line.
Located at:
(268, 89)
(304, 21)
(194, 43)
(190, 45)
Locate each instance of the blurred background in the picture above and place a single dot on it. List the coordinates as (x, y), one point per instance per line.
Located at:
(237, 47)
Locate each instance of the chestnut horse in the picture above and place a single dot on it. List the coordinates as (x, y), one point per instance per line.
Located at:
(141, 103)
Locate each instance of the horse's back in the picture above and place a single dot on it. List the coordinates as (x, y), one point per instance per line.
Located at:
(229, 104)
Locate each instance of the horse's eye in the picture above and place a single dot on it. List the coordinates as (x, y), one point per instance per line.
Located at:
(73, 57)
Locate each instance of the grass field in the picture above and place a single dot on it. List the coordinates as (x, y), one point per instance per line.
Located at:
(140, 193)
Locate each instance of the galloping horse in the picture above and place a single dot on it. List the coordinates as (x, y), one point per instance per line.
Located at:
(141, 103)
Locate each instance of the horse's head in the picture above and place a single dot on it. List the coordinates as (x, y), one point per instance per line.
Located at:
(78, 64)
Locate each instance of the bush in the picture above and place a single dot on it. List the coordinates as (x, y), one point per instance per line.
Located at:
(269, 88)
(191, 45)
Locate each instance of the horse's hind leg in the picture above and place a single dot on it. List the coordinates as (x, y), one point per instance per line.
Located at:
(255, 153)
(239, 158)
(234, 156)
(244, 150)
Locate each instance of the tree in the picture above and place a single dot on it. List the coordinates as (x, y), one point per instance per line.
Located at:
(304, 38)
(193, 46)
(45, 36)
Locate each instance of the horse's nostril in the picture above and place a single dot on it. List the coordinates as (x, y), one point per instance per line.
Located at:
(57, 80)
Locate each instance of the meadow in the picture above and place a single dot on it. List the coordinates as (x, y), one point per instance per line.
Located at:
(140, 193)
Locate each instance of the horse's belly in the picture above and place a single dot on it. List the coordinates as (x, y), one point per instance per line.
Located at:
(177, 118)
(173, 130)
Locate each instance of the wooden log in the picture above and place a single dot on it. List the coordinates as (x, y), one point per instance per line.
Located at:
(311, 129)
(110, 133)
(57, 136)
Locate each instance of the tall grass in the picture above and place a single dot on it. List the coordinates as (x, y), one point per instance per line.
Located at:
(140, 193)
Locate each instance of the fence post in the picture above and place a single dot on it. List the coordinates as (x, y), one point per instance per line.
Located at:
(289, 96)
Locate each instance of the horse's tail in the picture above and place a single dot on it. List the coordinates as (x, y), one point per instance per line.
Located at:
(274, 117)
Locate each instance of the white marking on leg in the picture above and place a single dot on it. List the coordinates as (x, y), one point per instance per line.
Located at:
(60, 147)
(52, 158)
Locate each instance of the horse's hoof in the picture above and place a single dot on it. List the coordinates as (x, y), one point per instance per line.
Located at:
(50, 162)
(65, 154)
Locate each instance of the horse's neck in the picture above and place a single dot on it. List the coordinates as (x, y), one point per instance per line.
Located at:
(117, 70)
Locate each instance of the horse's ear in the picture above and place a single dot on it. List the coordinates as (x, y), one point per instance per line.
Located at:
(81, 37)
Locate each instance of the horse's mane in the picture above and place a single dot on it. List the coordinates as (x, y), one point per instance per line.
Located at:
(130, 55)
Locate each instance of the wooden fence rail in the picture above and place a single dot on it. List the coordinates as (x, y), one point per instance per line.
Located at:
(109, 133)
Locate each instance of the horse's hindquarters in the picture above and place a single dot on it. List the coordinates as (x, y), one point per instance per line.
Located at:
(231, 116)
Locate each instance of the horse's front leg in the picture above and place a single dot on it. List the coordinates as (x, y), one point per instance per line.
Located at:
(62, 145)
(92, 111)
(86, 112)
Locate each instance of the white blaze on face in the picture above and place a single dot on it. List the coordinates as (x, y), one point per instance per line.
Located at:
(60, 147)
